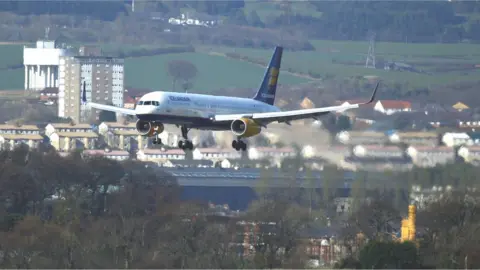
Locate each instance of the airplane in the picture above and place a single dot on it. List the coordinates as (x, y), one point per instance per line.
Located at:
(244, 117)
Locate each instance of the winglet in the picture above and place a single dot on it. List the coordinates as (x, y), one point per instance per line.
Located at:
(84, 92)
(373, 94)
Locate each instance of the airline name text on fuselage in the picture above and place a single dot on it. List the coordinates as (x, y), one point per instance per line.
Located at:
(176, 98)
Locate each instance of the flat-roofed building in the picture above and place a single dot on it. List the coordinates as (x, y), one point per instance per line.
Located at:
(66, 141)
(66, 127)
(416, 138)
(103, 78)
(9, 141)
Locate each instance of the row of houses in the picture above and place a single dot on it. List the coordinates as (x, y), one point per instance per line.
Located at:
(406, 157)
(449, 139)
(121, 141)
(390, 107)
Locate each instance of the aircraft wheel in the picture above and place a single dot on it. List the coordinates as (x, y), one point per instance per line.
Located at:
(189, 145)
(185, 145)
(234, 144)
(244, 146)
(239, 145)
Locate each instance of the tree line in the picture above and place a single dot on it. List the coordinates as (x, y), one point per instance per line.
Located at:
(92, 212)
(407, 21)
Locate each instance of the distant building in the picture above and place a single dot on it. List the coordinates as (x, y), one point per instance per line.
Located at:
(392, 106)
(451, 139)
(470, 154)
(415, 138)
(41, 65)
(361, 137)
(425, 156)
(376, 151)
(115, 155)
(104, 83)
(49, 94)
(459, 106)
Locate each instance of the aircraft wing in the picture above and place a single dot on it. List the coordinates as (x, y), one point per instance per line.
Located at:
(287, 116)
(104, 107)
(111, 108)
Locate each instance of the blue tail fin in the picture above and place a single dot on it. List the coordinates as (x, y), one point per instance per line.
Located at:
(268, 88)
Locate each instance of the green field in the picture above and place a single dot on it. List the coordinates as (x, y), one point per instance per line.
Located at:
(330, 58)
(329, 54)
(214, 72)
(150, 72)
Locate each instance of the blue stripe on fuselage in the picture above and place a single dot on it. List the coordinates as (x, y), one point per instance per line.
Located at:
(191, 122)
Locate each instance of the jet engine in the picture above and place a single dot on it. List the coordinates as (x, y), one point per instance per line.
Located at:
(245, 127)
(148, 129)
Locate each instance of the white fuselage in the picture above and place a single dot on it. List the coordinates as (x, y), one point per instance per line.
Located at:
(182, 108)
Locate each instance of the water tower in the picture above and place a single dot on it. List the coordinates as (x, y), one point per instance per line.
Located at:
(41, 64)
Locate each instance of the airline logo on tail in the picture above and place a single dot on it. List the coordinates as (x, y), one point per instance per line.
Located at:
(273, 77)
(268, 88)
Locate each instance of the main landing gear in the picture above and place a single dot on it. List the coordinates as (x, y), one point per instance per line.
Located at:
(239, 145)
(185, 144)
(156, 140)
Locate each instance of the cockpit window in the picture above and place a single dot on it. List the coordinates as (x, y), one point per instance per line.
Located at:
(149, 102)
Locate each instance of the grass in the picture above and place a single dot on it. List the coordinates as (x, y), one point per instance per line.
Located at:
(150, 72)
(11, 55)
(329, 54)
(214, 72)
(219, 72)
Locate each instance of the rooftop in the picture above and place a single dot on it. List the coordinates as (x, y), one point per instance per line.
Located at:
(70, 125)
(77, 134)
(163, 152)
(106, 153)
(35, 137)
(21, 127)
(395, 104)
(120, 124)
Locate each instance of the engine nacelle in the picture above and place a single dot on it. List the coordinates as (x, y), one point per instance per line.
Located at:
(245, 127)
(148, 129)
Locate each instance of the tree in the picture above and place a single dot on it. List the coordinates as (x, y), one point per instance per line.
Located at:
(451, 231)
(374, 219)
(182, 70)
(389, 255)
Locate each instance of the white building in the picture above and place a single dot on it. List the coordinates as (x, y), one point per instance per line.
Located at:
(41, 65)
(392, 106)
(426, 156)
(451, 139)
(470, 154)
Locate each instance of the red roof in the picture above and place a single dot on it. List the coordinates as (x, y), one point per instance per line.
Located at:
(130, 99)
(354, 101)
(395, 104)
